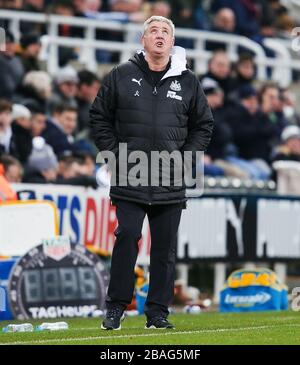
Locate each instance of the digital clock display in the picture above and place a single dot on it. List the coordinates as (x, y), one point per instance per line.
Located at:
(40, 286)
(66, 283)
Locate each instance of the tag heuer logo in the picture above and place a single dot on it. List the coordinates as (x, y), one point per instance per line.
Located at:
(175, 86)
(57, 247)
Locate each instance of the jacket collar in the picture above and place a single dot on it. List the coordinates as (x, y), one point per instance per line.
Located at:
(178, 62)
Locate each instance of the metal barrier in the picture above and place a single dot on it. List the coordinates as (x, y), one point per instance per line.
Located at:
(282, 65)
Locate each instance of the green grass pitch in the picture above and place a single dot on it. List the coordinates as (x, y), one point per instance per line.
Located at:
(273, 328)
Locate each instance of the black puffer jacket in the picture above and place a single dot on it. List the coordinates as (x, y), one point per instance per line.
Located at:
(170, 116)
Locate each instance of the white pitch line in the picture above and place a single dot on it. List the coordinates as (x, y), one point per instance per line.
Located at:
(158, 333)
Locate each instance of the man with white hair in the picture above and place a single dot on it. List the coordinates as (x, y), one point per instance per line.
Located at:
(65, 88)
(152, 103)
(21, 132)
(289, 147)
(15, 136)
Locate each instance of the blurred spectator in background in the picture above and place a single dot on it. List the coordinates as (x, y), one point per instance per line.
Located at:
(68, 167)
(118, 10)
(244, 121)
(288, 100)
(133, 7)
(80, 7)
(87, 162)
(93, 6)
(42, 166)
(11, 68)
(73, 171)
(21, 132)
(221, 145)
(243, 71)
(13, 170)
(220, 137)
(88, 88)
(219, 69)
(267, 30)
(60, 128)
(5, 126)
(243, 74)
(283, 21)
(30, 49)
(63, 8)
(183, 13)
(160, 8)
(122, 11)
(246, 12)
(33, 6)
(38, 119)
(252, 134)
(183, 16)
(66, 8)
(65, 88)
(289, 148)
(272, 115)
(6, 192)
(36, 89)
(9, 5)
(284, 25)
(223, 22)
(15, 137)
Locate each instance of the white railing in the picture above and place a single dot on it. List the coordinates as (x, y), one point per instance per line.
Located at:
(282, 65)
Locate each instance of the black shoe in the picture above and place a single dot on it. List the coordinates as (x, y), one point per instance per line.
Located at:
(158, 322)
(113, 318)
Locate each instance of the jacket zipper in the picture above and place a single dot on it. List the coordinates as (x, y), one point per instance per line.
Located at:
(154, 107)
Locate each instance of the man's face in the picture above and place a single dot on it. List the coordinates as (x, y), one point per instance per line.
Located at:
(88, 168)
(216, 99)
(271, 96)
(71, 170)
(294, 145)
(37, 3)
(13, 174)
(158, 39)
(5, 120)
(33, 49)
(246, 69)
(62, 10)
(161, 8)
(251, 104)
(50, 174)
(80, 5)
(38, 124)
(24, 122)
(89, 92)
(220, 66)
(94, 5)
(225, 20)
(68, 120)
(10, 49)
(68, 88)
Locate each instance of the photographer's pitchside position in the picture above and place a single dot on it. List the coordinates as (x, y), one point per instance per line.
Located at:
(150, 103)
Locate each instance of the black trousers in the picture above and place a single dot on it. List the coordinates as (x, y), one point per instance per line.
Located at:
(164, 221)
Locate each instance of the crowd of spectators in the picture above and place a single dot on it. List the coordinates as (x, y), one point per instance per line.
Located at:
(44, 135)
(251, 18)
